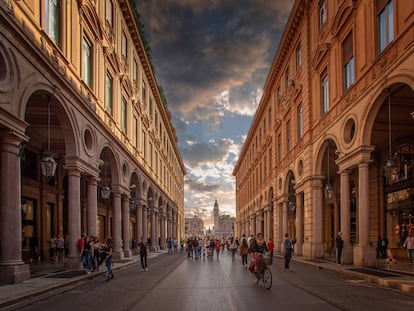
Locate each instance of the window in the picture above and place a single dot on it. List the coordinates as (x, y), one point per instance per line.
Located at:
(108, 93)
(124, 45)
(323, 16)
(324, 92)
(144, 95)
(134, 131)
(135, 72)
(87, 61)
(124, 114)
(109, 14)
(278, 95)
(348, 60)
(287, 78)
(150, 108)
(300, 122)
(52, 25)
(288, 134)
(279, 147)
(385, 23)
(298, 57)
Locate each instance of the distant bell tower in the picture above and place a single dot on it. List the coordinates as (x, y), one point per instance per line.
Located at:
(216, 216)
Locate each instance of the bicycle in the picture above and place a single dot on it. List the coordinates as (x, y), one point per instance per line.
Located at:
(265, 275)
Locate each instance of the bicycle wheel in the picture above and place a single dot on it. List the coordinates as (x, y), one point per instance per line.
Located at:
(267, 278)
(255, 277)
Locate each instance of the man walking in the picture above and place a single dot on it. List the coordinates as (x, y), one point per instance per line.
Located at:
(339, 247)
(143, 253)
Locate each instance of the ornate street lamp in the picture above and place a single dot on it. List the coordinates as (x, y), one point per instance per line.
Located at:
(105, 190)
(328, 191)
(48, 163)
(389, 167)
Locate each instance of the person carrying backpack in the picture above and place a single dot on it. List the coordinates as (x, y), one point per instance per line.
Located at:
(244, 251)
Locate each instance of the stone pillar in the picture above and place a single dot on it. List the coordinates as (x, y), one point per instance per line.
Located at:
(269, 232)
(169, 226)
(279, 228)
(92, 206)
(125, 226)
(12, 268)
(117, 238)
(162, 231)
(315, 248)
(144, 223)
(139, 220)
(299, 224)
(364, 253)
(345, 228)
(74, 219)
(154, 241)
(284, 222)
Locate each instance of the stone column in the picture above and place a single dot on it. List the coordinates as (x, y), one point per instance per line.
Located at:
(12, 268)
(125, 226)
(117, 252)
(162, 230)
(345, 228)
(299, 224)
(315, 248)
(169, 226)
(74, 219)
(284, 222)
(139, 220)
(92, 205)
(364, 253)
(154, 240)
(145, 223)
(269, 232)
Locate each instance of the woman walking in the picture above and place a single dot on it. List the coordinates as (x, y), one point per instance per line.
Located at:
(108, 259)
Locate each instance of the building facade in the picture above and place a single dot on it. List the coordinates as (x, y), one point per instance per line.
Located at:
(194, 227)
(223, 224)
(332, 142)
(86, 143)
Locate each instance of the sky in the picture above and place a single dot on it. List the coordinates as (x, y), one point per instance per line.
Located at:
(211, 58)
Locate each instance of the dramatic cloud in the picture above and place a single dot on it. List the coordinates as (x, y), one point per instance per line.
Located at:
(212, 57)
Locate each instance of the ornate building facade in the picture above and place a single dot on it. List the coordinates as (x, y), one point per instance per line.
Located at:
(194, 227)
(86, 140)
(223, 224)
(332, 142)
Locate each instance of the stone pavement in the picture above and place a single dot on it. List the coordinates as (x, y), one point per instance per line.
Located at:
(398, 276)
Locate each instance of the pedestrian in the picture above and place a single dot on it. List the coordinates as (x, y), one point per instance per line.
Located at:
(244, 251)
(339, 247)
(109, 245)
(34, 248)
(379, 247)
(287, 244)
(384, 247)
(143, 254)
(233, 248)
(217, 248)
(409, 244)
(270, 248)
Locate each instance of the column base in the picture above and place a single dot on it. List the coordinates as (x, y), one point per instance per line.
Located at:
(72, 263)
(14, 274)
(127, 253)
(347, 255)
(313, 250)
(118, 254)
(364, 256)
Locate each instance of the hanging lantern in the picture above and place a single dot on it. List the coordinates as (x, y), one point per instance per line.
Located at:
(48, 163)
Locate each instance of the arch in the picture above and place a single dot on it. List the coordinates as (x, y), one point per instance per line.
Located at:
(34, 110)
(376, 101)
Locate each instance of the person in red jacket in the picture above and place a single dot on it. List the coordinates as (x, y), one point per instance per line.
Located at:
(270, 248)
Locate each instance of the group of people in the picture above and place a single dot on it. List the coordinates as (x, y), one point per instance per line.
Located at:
(59, 247)
(94, 253)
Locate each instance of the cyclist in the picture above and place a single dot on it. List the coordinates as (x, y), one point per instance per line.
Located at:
(258, 249)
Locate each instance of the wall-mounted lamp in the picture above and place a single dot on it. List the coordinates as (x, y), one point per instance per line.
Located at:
(48, 163)
(328, 191)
